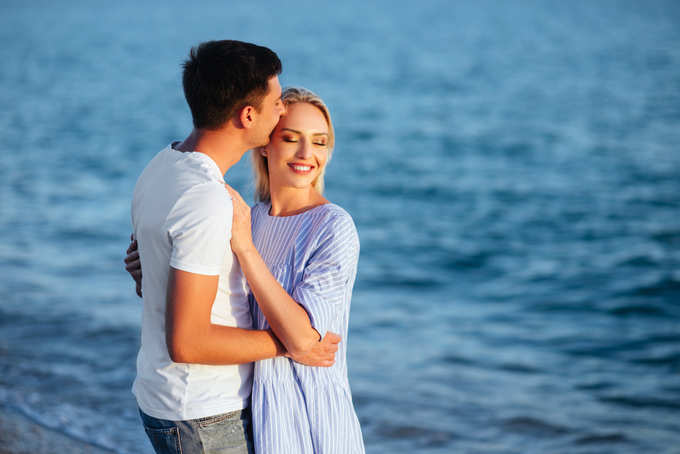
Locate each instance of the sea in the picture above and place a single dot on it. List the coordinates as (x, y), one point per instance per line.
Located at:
(513, 169)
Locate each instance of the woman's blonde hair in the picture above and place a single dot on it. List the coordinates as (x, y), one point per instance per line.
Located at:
(290, 96)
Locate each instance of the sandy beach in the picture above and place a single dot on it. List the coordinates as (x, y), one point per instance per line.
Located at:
(21, 435)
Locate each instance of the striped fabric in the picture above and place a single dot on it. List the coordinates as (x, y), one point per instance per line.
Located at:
(296, 408)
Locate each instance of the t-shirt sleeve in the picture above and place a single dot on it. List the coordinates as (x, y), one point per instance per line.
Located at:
(329, 274)
(199, 226)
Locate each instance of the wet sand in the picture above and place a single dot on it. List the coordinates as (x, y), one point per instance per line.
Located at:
(21, 435)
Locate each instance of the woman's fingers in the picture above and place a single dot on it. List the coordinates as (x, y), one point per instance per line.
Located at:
(241, 208)
(332, 338)
(239, 203)
(231, 190)
(241, 238)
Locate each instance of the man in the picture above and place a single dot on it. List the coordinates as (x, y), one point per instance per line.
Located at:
(194, 368)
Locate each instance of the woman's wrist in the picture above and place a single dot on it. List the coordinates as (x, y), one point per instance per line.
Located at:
(242, 251)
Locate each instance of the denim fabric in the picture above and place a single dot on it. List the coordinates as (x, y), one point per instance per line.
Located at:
(228, 433)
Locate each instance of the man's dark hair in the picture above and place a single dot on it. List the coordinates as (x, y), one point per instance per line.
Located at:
(222, 77)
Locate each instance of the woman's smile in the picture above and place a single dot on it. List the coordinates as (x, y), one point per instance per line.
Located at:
(302, 169)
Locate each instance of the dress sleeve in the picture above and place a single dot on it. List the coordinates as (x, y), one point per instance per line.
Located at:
(329, 274)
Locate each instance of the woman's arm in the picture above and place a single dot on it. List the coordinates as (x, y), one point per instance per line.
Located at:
(288, 319)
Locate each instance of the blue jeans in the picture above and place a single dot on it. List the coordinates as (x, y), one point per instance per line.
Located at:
(228, 433)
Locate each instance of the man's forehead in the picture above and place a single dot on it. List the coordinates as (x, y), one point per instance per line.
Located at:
(275, 86)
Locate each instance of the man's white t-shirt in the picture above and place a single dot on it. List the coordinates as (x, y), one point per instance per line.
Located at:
(181, 217)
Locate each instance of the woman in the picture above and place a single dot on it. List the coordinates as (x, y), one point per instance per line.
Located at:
(300, 261)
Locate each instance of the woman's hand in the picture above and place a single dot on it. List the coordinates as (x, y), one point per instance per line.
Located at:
(241, 234)
(133, 265)
(322, 353)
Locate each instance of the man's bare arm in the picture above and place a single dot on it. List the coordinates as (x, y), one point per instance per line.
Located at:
(192, 338)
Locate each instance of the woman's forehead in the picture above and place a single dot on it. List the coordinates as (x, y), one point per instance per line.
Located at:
(303, 117)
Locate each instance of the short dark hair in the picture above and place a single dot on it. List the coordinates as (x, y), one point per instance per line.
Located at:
(222, 77)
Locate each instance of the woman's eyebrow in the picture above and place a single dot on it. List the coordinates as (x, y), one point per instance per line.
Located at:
(300, 132)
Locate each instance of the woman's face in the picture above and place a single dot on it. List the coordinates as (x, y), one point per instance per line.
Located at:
(298, 149)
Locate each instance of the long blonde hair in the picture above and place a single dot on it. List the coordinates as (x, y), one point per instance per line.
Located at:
(290, 96)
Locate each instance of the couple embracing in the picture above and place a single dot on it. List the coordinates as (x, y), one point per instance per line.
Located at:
(227, 366)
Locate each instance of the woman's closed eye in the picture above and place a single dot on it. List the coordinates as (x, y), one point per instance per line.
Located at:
(293, 139)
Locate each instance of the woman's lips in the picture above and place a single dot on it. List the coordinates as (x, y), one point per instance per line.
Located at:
(301, 168)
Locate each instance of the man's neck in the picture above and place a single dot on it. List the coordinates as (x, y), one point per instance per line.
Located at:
(222, 146)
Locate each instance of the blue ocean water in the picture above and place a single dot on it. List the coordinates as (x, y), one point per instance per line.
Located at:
(513, 169)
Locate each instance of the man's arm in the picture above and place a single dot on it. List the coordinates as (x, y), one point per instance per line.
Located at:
(192, 338)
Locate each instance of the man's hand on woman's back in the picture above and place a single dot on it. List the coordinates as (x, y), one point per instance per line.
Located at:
(133, 265)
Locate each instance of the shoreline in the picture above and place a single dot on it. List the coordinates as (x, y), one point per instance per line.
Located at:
(19, 434)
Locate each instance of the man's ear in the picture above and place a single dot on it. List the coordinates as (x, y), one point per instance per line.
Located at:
(247, 116)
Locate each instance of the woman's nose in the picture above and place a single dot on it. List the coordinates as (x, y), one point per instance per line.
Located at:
(304, 151)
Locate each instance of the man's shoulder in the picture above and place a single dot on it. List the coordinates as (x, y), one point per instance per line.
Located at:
(152, 188)
(157, 172)
(159, 159)
(187, 168)
(207, 195)
(181, 187)
(171, 172)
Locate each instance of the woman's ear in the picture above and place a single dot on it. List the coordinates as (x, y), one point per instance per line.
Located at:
(263, 151)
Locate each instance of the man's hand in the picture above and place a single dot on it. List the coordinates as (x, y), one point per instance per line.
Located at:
(133, 265)
(321, 355)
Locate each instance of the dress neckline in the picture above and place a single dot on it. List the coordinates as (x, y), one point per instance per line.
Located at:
(268, 206)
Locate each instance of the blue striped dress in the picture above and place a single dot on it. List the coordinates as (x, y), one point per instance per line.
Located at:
(296, 408)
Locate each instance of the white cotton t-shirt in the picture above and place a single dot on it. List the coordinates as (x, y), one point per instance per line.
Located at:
(181, 217)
